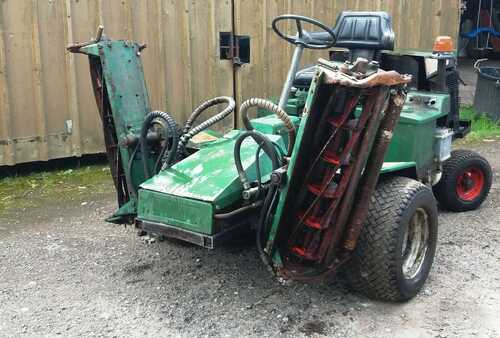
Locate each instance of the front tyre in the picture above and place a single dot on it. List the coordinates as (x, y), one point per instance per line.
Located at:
(396, 247)
(466, 181)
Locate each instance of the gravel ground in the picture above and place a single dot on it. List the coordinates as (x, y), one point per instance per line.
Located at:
(64, 271)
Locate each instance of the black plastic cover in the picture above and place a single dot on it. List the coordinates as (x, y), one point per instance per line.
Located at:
(364, 30)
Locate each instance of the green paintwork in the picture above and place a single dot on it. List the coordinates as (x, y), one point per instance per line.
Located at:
(270, 124)
(124, 77)
(210, 174)
(276, 257)
(128, 97)
(125, 210)
(419, 113)
(414, 52)
(294, 105)
(209, 177)
(413, 139)
(176, 210)
(390, 167)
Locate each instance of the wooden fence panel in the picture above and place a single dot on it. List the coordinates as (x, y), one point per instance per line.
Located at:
(47, 109)
(84, 17)
(22, 81)
(47, 105)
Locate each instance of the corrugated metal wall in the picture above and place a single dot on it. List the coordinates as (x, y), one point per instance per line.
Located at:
(46, 105)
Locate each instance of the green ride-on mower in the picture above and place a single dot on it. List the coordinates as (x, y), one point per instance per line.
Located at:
(343, 173)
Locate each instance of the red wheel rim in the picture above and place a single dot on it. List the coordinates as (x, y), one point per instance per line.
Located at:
(470, 184)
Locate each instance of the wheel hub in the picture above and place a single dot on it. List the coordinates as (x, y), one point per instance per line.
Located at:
(415, 243)
(470, 184)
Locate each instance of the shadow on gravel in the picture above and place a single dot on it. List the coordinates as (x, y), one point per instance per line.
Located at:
(233, 278)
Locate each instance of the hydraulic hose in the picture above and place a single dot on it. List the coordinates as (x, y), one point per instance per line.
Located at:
(128, 173)
(271, 107)
(143, 144)
(264, 218)
(189, 132)
(268, 147)
(239, 211)
(171, 147)
(264, 143)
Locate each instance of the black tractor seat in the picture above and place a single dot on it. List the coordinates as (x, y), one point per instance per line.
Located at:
(364, 34)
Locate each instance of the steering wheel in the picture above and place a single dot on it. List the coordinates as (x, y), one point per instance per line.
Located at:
(312, 40)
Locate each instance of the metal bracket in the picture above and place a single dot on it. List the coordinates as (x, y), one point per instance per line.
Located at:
(235, 48)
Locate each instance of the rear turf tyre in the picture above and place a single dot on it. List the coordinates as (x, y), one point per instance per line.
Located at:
(466, 181)
(396, 247)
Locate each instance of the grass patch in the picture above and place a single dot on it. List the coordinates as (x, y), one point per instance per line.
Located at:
(34, 189)
(482, 126)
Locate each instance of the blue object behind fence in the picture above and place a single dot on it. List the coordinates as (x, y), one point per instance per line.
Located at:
(473, 34)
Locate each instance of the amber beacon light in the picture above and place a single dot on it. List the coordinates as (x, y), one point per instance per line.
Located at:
(443, 44)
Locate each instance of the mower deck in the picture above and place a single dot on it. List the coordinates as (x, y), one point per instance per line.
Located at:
(192, 191)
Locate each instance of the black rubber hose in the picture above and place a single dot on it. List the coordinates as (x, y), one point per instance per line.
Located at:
(171, 147)
(204, 106)
(128, 172)
(239, 211)
(268, 147)
(142, 137)
(271, 107)
(265, 215)
(189, 132)
(264, 143)
(258, 173)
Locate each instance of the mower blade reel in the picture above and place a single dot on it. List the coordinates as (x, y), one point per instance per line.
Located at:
(373, 167)
(109, 131)
(374, 105)
(341, 168)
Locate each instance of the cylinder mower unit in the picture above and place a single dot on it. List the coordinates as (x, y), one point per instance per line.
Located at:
(331, 176)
